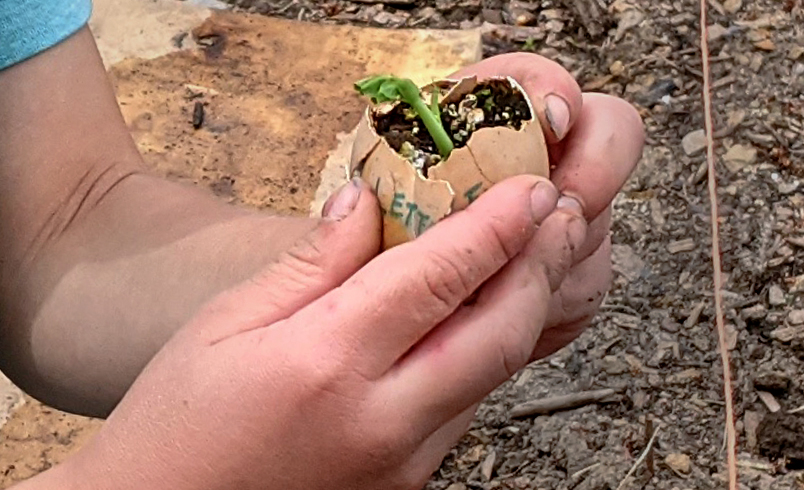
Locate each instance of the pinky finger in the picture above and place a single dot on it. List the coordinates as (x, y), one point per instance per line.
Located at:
(435, 448)
(556, 340)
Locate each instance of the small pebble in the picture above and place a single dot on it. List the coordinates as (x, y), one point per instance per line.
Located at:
(694, 142)
(756, 312)
(739, 157)
(678, 246)
(776, 296)
(732, 6)
(715, 32)
(613, 365)
(678, 462)
(684, 377)
(769, 401)
(787, 187)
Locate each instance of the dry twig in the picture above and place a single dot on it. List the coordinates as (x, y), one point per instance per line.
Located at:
(584, 471)
(563, 402)
(649, 430)
(590, 15)
(639, 461)
(731, 432)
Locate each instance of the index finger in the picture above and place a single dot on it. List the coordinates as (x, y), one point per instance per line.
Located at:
(555, 94)
(399, 297)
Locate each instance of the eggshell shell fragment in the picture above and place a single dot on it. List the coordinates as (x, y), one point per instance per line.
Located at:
(412, 203)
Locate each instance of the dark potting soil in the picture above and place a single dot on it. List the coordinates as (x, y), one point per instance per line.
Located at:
(500, 103)
(780, 436)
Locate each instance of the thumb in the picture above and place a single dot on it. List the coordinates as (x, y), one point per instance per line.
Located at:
(347, 237)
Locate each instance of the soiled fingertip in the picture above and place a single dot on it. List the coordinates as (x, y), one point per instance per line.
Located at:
(543, 199)
(344, 201)
(557, 112)
(570, 204)
(558, 242)
(576, 233)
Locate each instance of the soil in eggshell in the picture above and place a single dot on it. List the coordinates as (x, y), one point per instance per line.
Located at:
(500, 103)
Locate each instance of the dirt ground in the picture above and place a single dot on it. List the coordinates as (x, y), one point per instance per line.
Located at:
(654, 343)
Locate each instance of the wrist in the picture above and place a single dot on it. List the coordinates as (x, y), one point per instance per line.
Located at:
(96, 466)
(154, 233)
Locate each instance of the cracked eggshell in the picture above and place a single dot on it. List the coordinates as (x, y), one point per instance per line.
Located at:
(412, 203)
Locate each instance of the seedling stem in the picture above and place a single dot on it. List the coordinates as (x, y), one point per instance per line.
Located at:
(386, 88)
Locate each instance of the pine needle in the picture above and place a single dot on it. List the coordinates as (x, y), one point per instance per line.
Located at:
(639, 460)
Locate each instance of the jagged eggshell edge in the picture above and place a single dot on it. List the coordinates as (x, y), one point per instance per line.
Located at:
(494, 154)
(411, 203)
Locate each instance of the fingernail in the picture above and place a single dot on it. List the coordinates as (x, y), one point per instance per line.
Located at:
(570, 205)
(558, 115)
(543, 199)
(576, 233)
(344, 201)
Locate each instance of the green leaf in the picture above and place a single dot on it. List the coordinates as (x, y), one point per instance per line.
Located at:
(387, 88)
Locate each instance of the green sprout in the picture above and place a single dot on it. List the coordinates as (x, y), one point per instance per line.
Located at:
(387, 88)
(529, 45)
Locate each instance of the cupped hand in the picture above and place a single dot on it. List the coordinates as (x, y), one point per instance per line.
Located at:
(340, 368)
(594, 141)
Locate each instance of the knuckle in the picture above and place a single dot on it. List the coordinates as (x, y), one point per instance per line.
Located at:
(632, 129)
(500, 247)
(301, 266)
(322, 376)
(450, 274)
(561, 251)
(630, 113)
(386, 445)
(554, 271)
(328, 369)
(577, 305)
(306, 258)
(596, 274)
(447, 278)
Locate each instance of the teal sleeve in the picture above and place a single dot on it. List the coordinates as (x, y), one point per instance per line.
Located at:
(28, 27)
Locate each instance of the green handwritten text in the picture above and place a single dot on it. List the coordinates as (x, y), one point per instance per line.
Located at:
(408, 212)
(473, 192)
